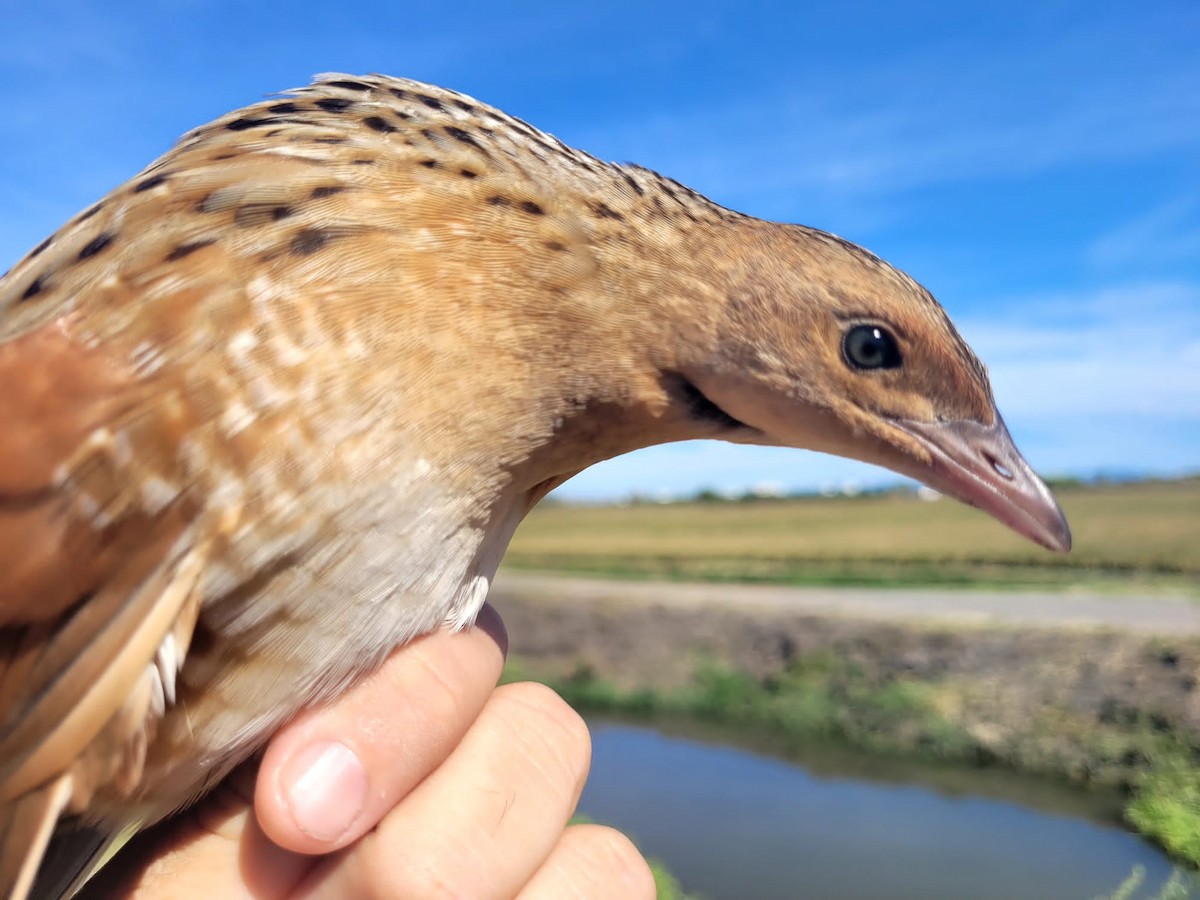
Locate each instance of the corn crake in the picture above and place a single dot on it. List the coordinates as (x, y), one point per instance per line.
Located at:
(276, 405)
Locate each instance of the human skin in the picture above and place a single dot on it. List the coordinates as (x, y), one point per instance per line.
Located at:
(425, 780)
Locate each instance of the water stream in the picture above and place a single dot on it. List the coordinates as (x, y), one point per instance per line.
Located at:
(735, 823)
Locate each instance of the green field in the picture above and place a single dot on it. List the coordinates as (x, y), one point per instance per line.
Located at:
(1139, 535)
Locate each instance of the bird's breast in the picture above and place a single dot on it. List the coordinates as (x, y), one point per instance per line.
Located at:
(397, 561)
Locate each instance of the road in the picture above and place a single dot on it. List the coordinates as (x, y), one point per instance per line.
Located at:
(1165, 615)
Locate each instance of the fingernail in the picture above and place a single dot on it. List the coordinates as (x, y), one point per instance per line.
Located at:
(325, 786)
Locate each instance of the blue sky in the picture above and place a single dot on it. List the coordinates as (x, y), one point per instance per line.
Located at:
(1035, 164)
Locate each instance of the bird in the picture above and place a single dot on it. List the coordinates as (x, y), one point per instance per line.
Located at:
(275, 406)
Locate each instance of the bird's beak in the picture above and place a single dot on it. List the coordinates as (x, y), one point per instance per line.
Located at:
(980, 465)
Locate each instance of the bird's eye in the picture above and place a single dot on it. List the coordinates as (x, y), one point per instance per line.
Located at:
(871, 347)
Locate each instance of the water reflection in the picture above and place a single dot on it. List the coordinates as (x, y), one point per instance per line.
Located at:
(735, 823)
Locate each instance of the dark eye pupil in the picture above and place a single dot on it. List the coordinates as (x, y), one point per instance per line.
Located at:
(871, 347)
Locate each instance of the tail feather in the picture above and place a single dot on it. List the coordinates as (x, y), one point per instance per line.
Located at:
(26, 825)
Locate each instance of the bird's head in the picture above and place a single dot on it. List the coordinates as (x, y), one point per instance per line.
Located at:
(823, 346)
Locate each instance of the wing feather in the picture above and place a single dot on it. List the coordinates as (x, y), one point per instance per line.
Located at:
(25, 829)
(92, 583)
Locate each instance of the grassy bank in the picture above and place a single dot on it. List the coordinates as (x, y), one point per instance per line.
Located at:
(1128, 537)
(826, 698)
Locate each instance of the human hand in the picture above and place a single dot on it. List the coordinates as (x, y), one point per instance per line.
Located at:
(462, 790)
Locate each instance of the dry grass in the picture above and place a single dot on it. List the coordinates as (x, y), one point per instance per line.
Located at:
(1146, 530)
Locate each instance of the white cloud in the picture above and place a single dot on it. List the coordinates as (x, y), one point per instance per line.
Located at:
(1169, 232)
(1132, 350)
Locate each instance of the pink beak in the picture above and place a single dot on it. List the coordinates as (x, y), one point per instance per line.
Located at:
(981, 466)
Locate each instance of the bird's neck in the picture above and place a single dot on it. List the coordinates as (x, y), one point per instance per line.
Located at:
(613, 378)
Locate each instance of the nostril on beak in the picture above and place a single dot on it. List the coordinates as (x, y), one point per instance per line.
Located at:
(999, 467)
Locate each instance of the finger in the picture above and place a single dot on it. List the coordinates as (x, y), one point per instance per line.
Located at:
(486, 819)
(218, 848)
(214, 849)
(592, 862)
(334, 772)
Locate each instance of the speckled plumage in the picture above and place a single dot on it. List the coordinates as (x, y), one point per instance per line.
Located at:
(275, 406)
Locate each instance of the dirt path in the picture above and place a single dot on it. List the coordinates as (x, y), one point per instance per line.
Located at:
(1167, 616)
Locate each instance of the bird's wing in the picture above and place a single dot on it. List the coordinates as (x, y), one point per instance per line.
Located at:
(97, 592)
(103, 536)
